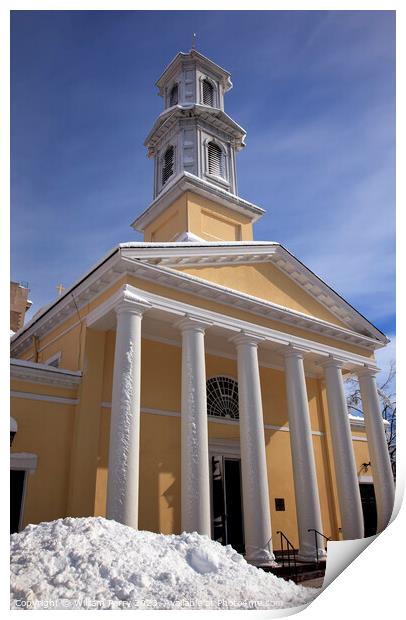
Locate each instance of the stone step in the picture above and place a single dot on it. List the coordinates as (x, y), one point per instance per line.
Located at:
(305, 571)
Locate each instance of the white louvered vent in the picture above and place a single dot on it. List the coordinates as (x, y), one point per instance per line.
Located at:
(168, 164)
(215, 156)
(173, 97)
(208, 93)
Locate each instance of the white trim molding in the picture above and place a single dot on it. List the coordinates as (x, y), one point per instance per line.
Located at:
(34, 372)
(225, 447)
(27, 461)
(226, 421)
(365, 479)
(230, 324)
(44, 397)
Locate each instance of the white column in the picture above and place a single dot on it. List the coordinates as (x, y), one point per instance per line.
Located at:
(123, 474)
(304, 468)
(255, 492)
(349, 498)
(195, 485)
(378, 448)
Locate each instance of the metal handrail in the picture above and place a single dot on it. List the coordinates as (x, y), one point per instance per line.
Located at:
(315, 541)
(289, 549)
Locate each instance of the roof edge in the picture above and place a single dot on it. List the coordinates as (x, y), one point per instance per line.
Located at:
(185, 182)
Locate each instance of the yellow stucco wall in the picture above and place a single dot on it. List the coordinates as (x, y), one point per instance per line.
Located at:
(44, 428)
(265, 281)
(172, 222)
(200, 216)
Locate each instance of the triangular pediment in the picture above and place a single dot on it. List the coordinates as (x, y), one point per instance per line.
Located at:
(261, 270)
(266, 282)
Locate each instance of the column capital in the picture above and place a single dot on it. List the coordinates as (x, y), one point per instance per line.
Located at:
(245, 337)
(367, 371)
(331, 360)
(131, 303)
(293, 350)
(192, 323)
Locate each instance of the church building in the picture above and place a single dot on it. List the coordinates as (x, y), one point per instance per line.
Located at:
(194, 381)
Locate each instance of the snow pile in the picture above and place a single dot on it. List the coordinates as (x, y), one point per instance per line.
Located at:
(94, 563)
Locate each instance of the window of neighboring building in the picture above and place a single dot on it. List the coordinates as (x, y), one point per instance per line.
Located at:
(174, 95)
(207, 93)
(168, 164)
(215, 157)
(222, 398)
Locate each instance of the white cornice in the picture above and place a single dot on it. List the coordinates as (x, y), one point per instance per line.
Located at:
(43, 374)
(214, 116)
(230, 324)
(356, 421)
(189, 182)
(134, 259)
(96, 281)
(194, 56)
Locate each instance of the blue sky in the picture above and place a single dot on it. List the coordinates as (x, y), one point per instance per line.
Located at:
(315, 91)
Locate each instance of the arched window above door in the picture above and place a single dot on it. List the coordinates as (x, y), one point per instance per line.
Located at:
(222, 398)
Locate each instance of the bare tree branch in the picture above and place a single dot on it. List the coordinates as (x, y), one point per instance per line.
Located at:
(387, 396)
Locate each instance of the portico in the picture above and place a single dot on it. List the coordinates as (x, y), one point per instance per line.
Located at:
(142, 314)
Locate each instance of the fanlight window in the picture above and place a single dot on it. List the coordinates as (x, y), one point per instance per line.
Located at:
(215, 159)
(222, 398)
(173, 97)
(208, 93)
(168, 164)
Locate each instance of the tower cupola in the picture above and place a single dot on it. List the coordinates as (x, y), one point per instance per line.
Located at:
(193, 79)
(194, 144)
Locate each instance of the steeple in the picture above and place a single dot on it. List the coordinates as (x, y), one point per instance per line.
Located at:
(194, 144)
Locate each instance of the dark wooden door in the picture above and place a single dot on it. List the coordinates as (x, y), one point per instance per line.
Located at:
(233, 504)
(17, 477)
(368, 508)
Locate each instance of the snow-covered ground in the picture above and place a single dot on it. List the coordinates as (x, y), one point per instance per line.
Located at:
(96, 563)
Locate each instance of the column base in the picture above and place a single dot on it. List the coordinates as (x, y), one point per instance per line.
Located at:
(261, 557)
(311, 556)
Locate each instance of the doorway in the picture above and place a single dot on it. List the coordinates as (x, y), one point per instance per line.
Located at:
(368, 502)
(17, 481)
(227, 512)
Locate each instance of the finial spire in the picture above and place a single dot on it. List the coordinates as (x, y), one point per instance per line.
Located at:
(194, 41)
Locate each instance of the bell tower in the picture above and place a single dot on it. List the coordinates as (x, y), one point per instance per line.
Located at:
(194, 144)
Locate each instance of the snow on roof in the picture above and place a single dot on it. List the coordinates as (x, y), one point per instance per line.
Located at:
(205, 244)
(98, 563)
